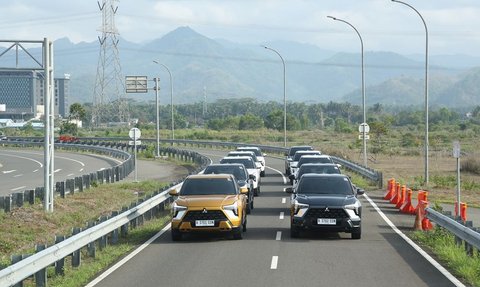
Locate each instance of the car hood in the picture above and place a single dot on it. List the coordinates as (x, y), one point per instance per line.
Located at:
(206, 200)
(326, 199)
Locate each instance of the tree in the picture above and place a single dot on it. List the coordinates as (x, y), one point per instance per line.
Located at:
(250, 122)
(77, 112)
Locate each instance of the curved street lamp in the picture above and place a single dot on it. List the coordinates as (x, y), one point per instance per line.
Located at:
(284, 96)
(363, 125)
(426, 86)
(171, 97)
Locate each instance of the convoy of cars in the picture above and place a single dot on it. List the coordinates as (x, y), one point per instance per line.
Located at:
(219, 199)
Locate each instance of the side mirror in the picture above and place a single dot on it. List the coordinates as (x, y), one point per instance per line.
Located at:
(244, 190)
(173, 192)
(289, 190)
(339, 165)
(360, 191)
(252, 177)
(291, 177)
(286, 154)
(264, 154)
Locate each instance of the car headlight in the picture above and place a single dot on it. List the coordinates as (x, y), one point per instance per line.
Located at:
(299, 208)
(178, 210)
(232, 207)
(355, 207)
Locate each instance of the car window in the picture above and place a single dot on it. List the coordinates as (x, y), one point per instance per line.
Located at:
(319, 169)
(314, 160)
(324, 185)
(247, 163)
(236, 171)
(293, 150)
(208, 186)
(256, 151)
(298, 155)
(252, 155)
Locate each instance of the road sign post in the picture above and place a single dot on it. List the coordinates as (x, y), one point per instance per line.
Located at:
(456, 154)
(135, 134)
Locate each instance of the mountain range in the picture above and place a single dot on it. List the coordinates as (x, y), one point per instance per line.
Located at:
(218, 69)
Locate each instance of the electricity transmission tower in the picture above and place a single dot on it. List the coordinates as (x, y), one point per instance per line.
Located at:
(109, 102)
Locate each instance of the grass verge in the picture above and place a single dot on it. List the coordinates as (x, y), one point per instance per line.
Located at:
(442, 244)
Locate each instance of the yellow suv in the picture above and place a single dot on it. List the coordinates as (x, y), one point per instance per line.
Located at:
(209, 203)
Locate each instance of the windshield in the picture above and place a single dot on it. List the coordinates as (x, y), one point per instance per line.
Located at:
(208, 186)
(256, 151)
(250, 154)
(298, 155)
(329, 169)
(304, 160)
(324, 185)
(293, 150)
(248, 163)
(237, 171)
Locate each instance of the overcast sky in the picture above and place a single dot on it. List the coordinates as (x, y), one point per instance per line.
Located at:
(385, 26)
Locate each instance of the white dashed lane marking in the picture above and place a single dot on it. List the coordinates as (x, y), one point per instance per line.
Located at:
(282, 215)
(279, 236)
(274, 263)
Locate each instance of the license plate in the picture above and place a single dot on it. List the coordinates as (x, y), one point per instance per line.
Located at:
(203, 223)
(326, 221)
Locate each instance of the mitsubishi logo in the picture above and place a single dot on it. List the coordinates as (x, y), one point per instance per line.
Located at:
(327, 210)
(204, 210)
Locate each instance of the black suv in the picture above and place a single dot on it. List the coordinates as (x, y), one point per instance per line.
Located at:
(325, 202)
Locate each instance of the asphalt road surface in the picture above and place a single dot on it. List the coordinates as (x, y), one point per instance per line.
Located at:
(267, 256)
(23, 169)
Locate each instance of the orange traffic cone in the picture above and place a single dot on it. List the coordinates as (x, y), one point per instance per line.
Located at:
(426, 223)
(463, 211)
(401, 199)
(407, 207)
(418, 219)
(390, 189)
(395, 197)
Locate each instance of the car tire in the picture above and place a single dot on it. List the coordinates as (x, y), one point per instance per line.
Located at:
(176, 235)
(291, 181)
(244, 226)
(294, 232)
(251, 203)
(262, 174)
(237, 234)
(248, 209)
(357, 233)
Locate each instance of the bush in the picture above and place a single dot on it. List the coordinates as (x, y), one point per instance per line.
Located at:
(471, 165)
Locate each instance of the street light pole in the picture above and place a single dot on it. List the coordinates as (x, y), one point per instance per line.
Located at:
(365, 162)
(284, 96)
(171, 97)
(426, 86)
(157, 117)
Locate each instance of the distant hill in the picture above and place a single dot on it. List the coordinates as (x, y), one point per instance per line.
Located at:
(222, 69)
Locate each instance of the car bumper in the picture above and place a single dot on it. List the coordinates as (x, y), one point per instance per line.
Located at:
(342, 224)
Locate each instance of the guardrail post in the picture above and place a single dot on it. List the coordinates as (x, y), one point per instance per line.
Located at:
(124, 228)
(468, 247)
(117, 173)
(76, 255)
(71, 186)
(91, 247)
(102, 241)
(31, 196)
(41, 276)
(458, 240)
(60, 264)
(100, 177)
(19, 199)
(79, 183)
(15, 259)
(40, 192)
(133, 222)
(86, 181)
(114, 238)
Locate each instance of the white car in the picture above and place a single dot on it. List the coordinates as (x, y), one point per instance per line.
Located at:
(297, 156)
(249, 164)
(251, 154)
(258, 152)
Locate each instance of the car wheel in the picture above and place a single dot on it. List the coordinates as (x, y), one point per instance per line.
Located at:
(258, 190)
(262, 173)
(248, 209)
(244, 226)
(287, 172)
(291, 181)
(294, 232)
(237, 234)
(357, 233)
(176, 235)
(251, 203)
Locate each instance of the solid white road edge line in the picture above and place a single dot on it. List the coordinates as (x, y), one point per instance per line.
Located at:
(274, 263)
(281, 173)
(282, 215)
(279, 236)
(415, 246)
(127, 258)
(17, 188)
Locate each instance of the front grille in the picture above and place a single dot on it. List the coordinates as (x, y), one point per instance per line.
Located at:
(216, 215)
(315, 213)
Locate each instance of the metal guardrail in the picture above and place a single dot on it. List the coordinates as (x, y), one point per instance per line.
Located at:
(461, 231)
(366, 172)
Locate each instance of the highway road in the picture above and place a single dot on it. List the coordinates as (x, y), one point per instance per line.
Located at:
(267, 256)
(23, 169)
